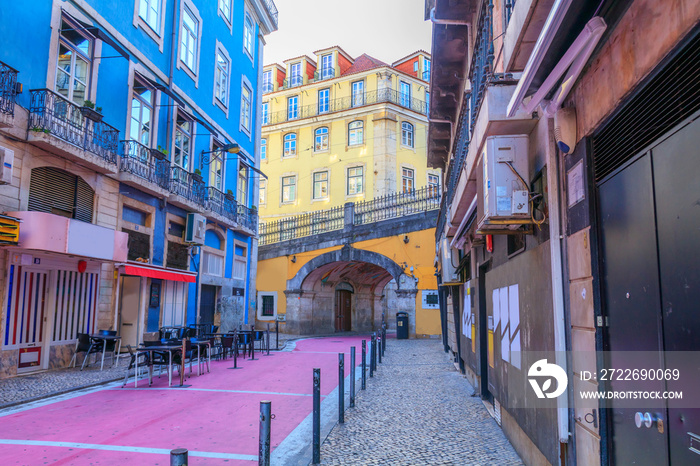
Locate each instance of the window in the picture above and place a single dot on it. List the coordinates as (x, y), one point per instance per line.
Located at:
(61, 193)
(426, 70)
(295, 75)
(243, 184)
(407, 180)
(212, 263)
(320, 185)
(290, 145)
(248, 33)
(268, 305)
(221, 83)
(407, 134)
(266, 113)
(327, 70)
(141, 112)
(216, 168)
(262, 193)
(267, 82)
(427, 101)
(240, 254)
(245, 108)
(149, 11)
(356, 133)
(225, 9)
(183, 142)
(323, 100)
(321, 139)
(415, 65)
(188, 39)
(405, 94)
(434, 184)
(263, 149)
(289, 188)
(74, 63)
(293, 107)
(355, 181)
(358, 93)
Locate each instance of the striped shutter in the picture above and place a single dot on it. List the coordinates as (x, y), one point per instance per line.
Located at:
(26, 306)
(58, 192)
(76, 297)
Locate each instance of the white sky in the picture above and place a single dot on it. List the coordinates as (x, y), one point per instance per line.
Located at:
(384, 29)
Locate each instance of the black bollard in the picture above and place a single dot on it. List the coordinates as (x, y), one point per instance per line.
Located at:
(317, 418)
(235, 351)
(178, 457)
(264, 447)
(341, 388)
(371, 356)
(277, 335)
(352, 376)
(384, 338)
(364, 364)
(252, 345)
(379, 347)
(268, 339)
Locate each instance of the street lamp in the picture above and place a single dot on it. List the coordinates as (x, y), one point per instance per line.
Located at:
(232, 148)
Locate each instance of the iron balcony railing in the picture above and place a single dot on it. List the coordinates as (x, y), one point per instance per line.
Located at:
(325, 73)
(272, 9)
(442, 219)
(247, 218)
(188, 185)
(508, 6)
(267, 87)
(482, 60)
(293, 81)
(345, 103)
(397, 205)
(8, 89)
(302, 225)
(51, 113)
(215, 202)
(141, 161)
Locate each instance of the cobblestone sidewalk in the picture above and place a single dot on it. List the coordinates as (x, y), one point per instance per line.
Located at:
(417, 410)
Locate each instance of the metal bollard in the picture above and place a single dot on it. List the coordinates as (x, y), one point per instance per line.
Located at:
(384, 338)
(352, 376)
(252, 345)
(178, 457)
(264, 442)
(277, 335)
(317, 418)
(364, 364)
(341, 388)
(379, 348)
(268, 339)
(371, 356)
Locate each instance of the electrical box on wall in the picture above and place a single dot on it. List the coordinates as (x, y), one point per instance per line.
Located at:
(506, 195)
(196, 227)
(449, 262)
(7, 158)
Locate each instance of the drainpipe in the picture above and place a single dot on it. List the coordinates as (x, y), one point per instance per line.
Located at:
(556, 235)
(447, 22)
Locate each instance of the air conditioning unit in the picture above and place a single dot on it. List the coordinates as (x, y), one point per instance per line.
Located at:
(196, 227)
(7, 158)
(506, 194)
(449, 262)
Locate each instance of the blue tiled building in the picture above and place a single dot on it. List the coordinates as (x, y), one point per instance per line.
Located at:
(117, 121)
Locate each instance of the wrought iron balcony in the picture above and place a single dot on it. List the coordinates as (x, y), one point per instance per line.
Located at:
(508, 6)
(53, 114)
(148, 164)
(247, 218)
(303, 225)
(8, 89)
(293, 81)
(267, 87)
(397, 205)
(216, 201)
(482, 60)
(345, 103)
(188, 185)
(325, 73)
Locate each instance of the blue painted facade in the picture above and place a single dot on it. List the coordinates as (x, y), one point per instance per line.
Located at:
(124, 48)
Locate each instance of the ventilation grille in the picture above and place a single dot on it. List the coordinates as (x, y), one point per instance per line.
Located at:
(667, 99)
(58, 192)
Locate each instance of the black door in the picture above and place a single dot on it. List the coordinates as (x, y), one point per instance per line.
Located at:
(650, 246)
(482, 326)
(207, 304)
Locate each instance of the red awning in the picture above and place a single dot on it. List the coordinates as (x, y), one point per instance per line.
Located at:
(158, 272)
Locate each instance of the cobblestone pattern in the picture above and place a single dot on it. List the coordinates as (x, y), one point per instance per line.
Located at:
(417, 410)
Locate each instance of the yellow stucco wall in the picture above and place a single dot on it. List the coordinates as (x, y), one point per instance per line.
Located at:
(417, 253)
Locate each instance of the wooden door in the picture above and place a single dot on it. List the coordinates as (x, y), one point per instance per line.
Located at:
(343, 301)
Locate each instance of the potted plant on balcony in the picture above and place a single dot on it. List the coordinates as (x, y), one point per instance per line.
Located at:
(159, 154)
(197, 175)
(229, 195)
(90, 112)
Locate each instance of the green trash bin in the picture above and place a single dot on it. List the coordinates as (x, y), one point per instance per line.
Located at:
(402, 325)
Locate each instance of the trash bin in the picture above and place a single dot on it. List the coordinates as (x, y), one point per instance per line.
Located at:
(402, 325)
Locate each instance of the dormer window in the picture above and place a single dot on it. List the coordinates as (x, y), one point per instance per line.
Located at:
(267, 82)
(327, 70)
(295, 78)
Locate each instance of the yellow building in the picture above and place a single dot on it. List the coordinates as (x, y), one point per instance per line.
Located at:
(338, 129)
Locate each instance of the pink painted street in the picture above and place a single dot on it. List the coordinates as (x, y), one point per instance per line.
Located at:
(215, 415)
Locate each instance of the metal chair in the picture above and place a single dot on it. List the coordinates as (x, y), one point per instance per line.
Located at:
(132, 364)
(87, 346)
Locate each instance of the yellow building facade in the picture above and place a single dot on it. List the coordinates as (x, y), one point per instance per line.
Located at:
(338, 129)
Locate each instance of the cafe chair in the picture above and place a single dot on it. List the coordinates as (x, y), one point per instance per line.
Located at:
(132, 363)
(87, 346)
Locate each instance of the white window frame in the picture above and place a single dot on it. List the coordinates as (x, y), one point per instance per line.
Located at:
(263, 150)
(408, 177)
(408, 137)
(242, 183)
(246, 119)
(348, 177)
(75, 55)
(187, 7)
(237, 260)
(262, 192)
(293, 82)
(405, 93)
(224, 103)
(293, 186)
(176, 129)
(141, 22)
(260, 316)
(265, 111)
(293, 115)
(268, 86)
(324, 68)
(359, 130)
(357, 98)
(292, 151)
(326, 182)
(223, 4)
(324, 100)
(217, 180)
(324, 137)
(144, 104)
(248, 35)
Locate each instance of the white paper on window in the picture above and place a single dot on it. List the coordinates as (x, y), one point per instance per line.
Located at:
(514, 316)
(505, 329)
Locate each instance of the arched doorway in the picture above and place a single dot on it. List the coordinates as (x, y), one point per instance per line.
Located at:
(343, 307)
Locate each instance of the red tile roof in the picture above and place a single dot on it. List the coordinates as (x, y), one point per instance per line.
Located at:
(364, 63)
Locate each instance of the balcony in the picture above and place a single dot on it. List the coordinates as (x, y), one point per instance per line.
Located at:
(272, 9)
(267, 88)
(293, 81)
(247, 219)
(345, 103)
(187, 189)
(59, 126)
(144, 168)
(524, 20)
(326, 73)
(8, 94)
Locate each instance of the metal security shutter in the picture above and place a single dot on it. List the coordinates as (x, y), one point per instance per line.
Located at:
(58, 192)
(669, 97)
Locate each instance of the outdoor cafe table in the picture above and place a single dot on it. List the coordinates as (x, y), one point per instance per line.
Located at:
(96, 337)
(170, 349)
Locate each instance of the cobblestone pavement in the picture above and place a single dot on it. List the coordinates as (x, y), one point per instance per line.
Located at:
(417, 410)
(28, 387)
